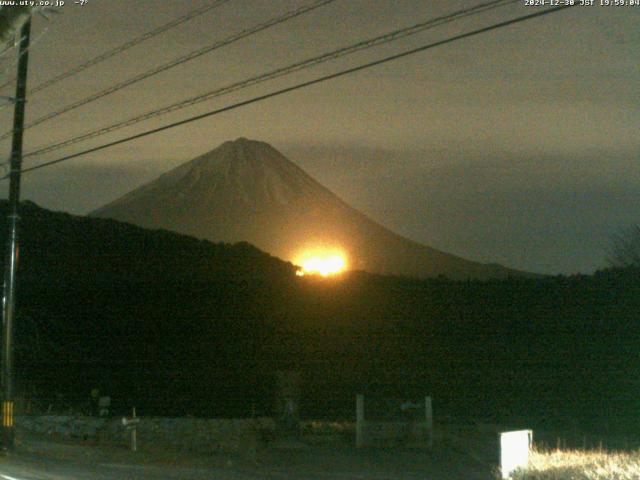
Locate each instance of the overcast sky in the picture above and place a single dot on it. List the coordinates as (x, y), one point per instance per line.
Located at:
(519, 146)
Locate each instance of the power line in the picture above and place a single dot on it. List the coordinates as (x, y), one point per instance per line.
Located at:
(176, 62)
(15, 62)
(125, 46)
(308, 63)
(43, 13)
(10, 45)
(302, 85)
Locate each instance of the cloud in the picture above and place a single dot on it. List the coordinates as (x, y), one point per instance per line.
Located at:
(81, 188)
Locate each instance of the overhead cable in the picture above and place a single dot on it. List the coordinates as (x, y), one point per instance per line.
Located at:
(125, 46)
(280, 72)
(174, 63)
(299, 86)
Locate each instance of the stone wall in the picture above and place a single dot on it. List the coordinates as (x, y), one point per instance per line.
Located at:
(62, 426)
(201, 435)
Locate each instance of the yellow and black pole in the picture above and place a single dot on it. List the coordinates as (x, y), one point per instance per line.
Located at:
(11, 258)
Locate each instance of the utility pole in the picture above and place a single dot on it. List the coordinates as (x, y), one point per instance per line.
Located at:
(11, 258)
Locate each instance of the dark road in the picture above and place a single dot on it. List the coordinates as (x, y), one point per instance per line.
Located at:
(305, 464)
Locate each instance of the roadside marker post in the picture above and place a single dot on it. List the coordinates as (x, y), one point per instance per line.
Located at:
(131, 424)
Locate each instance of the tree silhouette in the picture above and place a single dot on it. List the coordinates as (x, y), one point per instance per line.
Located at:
(625, 248)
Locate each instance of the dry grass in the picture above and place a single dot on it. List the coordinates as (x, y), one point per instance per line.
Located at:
(581, 465)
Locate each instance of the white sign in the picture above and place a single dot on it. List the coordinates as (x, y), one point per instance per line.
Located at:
(514, 450)
(130, 422)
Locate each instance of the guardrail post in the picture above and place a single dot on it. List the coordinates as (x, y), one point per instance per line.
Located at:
(134, 433)
(428, 414)
(360, 430)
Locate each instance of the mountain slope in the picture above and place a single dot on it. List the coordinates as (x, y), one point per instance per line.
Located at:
(248, 191)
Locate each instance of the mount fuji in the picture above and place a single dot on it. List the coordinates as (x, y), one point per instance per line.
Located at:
(246, 190)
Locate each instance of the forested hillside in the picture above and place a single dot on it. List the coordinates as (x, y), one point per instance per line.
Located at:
(175, 325)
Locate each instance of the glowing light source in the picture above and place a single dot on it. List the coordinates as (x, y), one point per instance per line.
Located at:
(323, 263)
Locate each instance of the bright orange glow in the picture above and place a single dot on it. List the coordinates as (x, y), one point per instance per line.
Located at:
(323, 263)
